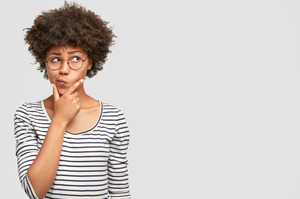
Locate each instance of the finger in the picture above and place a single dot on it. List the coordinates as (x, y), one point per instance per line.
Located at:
(77, 100)
(55, 93)
(74, 94)
(74, 87)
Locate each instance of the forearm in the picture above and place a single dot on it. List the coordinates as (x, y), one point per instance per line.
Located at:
(43, 170)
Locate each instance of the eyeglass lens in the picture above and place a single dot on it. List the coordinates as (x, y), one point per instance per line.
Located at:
(73, 62)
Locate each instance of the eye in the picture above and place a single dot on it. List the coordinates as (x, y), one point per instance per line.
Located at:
(75, 59)
(54, 60)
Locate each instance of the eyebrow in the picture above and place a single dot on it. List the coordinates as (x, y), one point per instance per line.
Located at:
(70, 53)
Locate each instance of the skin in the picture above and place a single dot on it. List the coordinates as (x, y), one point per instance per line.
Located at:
(69, 108)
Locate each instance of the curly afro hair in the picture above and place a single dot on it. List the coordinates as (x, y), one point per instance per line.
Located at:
(73, 25)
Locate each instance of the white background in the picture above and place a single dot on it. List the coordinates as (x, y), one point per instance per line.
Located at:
(210, 90)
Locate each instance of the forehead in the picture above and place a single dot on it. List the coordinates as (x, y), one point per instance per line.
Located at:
(64, 50)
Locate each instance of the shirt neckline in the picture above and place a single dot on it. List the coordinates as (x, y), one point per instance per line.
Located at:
(98, 120)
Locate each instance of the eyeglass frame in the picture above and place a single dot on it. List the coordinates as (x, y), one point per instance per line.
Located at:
(62, 60)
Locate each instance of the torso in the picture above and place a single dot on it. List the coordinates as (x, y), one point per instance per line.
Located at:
(87, 159)
(84, 120)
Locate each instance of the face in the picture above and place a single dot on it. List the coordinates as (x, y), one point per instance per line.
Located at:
(65, 77)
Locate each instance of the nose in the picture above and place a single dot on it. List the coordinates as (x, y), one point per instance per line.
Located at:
(64, 69)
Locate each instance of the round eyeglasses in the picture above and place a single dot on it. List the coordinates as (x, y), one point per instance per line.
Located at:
(75, 63)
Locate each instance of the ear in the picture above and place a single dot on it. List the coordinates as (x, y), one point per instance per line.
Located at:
(90, 64)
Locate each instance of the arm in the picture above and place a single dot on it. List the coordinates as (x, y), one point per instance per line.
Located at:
(41, 173)
(118, 184)
(32, 163)
(26, 148)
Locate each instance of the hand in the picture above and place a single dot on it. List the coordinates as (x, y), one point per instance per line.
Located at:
(67, 106)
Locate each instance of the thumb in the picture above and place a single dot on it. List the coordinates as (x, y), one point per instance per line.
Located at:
(55, 93)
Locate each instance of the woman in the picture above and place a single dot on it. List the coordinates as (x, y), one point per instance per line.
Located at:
(71, 145)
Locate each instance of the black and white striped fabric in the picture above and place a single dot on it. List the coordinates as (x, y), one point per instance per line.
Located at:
(92, 164)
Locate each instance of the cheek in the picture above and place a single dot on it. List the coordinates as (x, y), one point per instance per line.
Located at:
(50, 78)
(81, 74)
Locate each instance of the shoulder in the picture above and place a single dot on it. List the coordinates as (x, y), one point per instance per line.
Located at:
(26, 108)
(114, 115)
(112, 110)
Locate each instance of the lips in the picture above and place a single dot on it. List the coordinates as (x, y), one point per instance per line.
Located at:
(61, 82)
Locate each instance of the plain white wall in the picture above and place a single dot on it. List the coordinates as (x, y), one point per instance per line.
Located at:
(210, 90)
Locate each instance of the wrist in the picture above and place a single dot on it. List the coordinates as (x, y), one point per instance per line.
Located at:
(59, 122)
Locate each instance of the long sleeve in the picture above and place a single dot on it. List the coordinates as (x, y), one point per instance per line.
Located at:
(26, 148)
(118, 183)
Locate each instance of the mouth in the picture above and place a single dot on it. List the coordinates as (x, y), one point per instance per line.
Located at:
(61, 82)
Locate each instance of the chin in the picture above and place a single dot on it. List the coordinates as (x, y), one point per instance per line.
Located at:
(61, 91)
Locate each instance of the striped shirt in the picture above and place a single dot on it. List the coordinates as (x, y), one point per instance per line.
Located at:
(93, 163)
